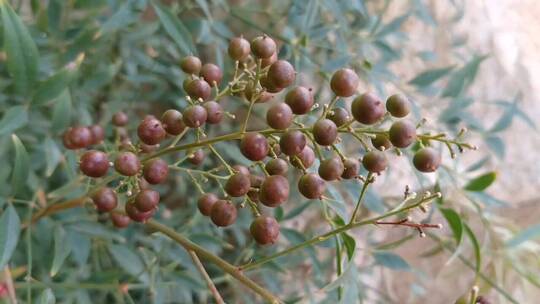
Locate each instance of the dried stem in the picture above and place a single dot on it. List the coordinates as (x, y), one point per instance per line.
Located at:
(206, 277)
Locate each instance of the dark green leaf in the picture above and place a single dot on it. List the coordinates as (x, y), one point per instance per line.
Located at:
(61, 116)
(20, 165)
(14, 118)
(481, 182)
(390, 260)
(476, 246)
(455, 223)
(62, 249)
(350, 244)
(47, 297)
(129, 261)
(10, 228)
(53, 155)
(176, 29)
(428, 77)
(55, 85)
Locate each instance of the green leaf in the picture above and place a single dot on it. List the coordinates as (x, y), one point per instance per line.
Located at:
(129, 261)
(21, 51)
(497, 145)
(296, 211)
(10, 228)
(20, 166)
(55, 85)
(464, 77)
(52, 155)
(61, 116)
(476, 246)
(391, 260)
(14, 118)
(530, 233)
(62, 249)
(350, 244)
(481, 182)
(455, 223)
(47, 297)
(430, 76)
(175, 28)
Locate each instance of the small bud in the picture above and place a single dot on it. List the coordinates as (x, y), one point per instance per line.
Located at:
(422, 234)
(129, 193)
(439, 226)
(111, 164)
(438, 194)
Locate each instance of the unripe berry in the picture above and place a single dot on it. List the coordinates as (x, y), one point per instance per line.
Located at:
(351, 167)
(277, 166)
(137, 215)
(311, 186)
(223, 213)
(292, 142)
(402, 133)
(263, 47)
(398, 105)
(340, 116)
(281, 74)
(300, 99)
(147, 200)
(120, 119)
(367, 109)
(119, 220)
(381, 141)
(214, 112)
(190, 65)
(197, 157)
(426, 160)
(325, 132)
(254, 146)
(211, 73)
(151, 131)
(105, 199)
(344, 82)
(80, 137)
(172, 122)
(274, 191)
(195, 116)
(198, 88)
(155, 171)
(279, 116)
(265, 230)
(374, 161)
(127, 164)
(304, 159)
(331, 168)
(239, 49)
(206, 202)
(238, 185)
(98, 134)
(94, 163)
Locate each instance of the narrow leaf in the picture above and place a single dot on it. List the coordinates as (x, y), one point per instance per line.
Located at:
(10, 228)
(476, 246)
(175, 28)
(61, 115)
(53, 86)
(62, 249)
(14, 118)
(481, 182)
(47, 297)
(430, 76)
(455, 223)
(129, 261)
(530, 233)
(20, 166)
(391, 260)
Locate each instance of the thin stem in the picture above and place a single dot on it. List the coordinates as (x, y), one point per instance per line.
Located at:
(206, 277)
(178, 137)
(221, 159)
(361, 196)
(329, 107)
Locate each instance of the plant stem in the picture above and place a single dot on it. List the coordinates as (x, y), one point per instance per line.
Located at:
(206, 277)
(361, 196)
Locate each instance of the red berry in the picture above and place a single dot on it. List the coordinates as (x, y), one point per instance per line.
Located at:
(325, 132)
(375, 161)
(279, 116)
(66, 140)
(127, 164)
(402, 133)
(265, 230)
(427, 160)
(198, 88)
(254, 146)
(172, 122)
(339, 116)
(300, 99)
(98, 134)
(381, 142)
(211, 73)
(265, 62)
(367, 109)
(351, 167)
(94, 163)
(344, 82)
(105, 199)
(331, 168)
(214, 112)
(241, 169)
(119, 220)
(269, 86)
(151, 131)
(155, 171)
(398, 105)
(206, 202)
(147, 200)
(238, 185)
(311, 186)
(292, 142)
(274, 191)
(223, 213)
(263, 47)
(239, 49)
(195, 116)
(196, 157)
(137, 215)
(305, 159)
(277, 166)
(80, 137)
(190, 64)
(120, 119)
(281, 74)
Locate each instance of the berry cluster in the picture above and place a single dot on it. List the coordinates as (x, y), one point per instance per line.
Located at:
(258, 76)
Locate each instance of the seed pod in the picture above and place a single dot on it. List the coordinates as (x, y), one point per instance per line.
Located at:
(254, 146)
(292, 142)
(238, 185)
(402, 133)
(151, 131)
(398, 105)
(94, 163)
(80, 137)
(119, 220)
(281, 74)
(191, 65)
(340, 116)
(331, 168)
(239, 49)
(195, 116)
(223, 213)
(137, 215)
(98, 134)
(105, 199)
(279, 116)
(351, 167)
(426, 160)
(306, 157)
(381, 141)
(211, 73)
(127, 164)
(344, 82)
(197, 157)
(265, 230)
(214, 112)
(155, 171)
(300, 99)
(311, 186)
(325, 132)
(172, 122)
(120, 119)
(198, 88)
(206, 202)
(274, 191)
(367, 109)
(374, 161)
(263, 47)
(277, 166)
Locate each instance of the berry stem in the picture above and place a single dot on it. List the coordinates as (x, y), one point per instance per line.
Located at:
(361, 196)
(206, 277)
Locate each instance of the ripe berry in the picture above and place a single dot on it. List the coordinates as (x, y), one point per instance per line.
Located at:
(214, 112)
(105, 199)
(256, 180)
(344, 82)
(331, 168)
(254, 146)
(66, 140)
(190, 64)
(274, 191)
(172, 122)
(339, 116)
(281, 74)
(80, 137)
(206, 202)
(292, 142)
(241, 169)
(260, 97)
(151, 131)
(398, 105)
(119, 220)
(94, 163)
(367, 109)
(98, 134)
(265, 62)
(196, 157)
(147, 200)
(276, 166)
(374, 161)
(263, 47)
(300, 99)
(198, 88)
(279, 116)
(137, 215)
(238, 185)
(304, 159)
(223, 213)
(325, 132)
(402, 133)
(195, 116)
(351, 166)
(426, 160)
(269, 86)
(127, 164)
(265, 230)
(381, 141)
(311, 186)
(239, 49)
(120, 119)
(211, 73)
(155, 171)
